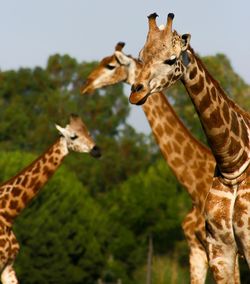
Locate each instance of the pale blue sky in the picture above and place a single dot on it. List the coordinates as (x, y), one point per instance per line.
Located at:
(32, 30)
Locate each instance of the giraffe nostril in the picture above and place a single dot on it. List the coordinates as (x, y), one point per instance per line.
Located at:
(136, 88)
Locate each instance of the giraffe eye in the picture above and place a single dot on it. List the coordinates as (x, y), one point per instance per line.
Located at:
(170, 61)
(73, 137)
(110, 67)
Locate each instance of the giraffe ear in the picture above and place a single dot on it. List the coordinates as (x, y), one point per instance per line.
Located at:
(122, 58)
(185, 38)
(62, 130)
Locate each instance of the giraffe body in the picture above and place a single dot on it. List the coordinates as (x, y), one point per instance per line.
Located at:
(17, 192)
(167, 57)
(176, 144)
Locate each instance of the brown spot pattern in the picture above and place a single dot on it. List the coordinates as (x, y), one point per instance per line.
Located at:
(234, 124)
(225, 111)
(163, 81)
(16, 191)
(179, 137)
(201, 186)
(13, 204)
(244, 134)
(193, 73)
(213, 93)
(168, 129)
(188, 150)
(214, 120)
(25, 198)
(159, 130)
(205, 102)
(177, 162)
(208, 79)
(197, 87)
(234, 147)
(25, 180)
(177, 148)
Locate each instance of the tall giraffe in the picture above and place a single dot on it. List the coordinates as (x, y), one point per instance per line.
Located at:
(176, 144)
(168, 57)
(17, 192)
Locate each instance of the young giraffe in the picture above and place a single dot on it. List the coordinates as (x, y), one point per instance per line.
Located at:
(166, 58)
(176, 144)
(16, 193)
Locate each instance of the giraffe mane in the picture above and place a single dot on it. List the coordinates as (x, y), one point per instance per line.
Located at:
(216, 83)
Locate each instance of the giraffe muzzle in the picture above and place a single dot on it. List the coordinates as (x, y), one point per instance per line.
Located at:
(95, 152)
(138, 98)
(138, 95)
(87, 88)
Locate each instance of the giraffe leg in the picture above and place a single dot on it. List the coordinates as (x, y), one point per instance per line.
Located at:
(8, 275)
(241, 219)
(222, 268)
(220, 239)
(245, 246)
(198, 265)
(197, 256)
(244, 243)
(222, 261)
(237, 270)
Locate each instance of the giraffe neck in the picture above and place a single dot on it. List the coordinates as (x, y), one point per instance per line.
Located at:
(192, 162)
(19, 190)
(226, 126)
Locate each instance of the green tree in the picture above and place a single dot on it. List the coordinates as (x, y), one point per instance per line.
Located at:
(150, 203)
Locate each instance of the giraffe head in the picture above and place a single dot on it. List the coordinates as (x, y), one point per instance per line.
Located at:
(164, 57)
(78, 138)
(113, 69)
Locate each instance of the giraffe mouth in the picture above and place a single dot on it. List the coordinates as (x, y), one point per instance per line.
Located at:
(142, 101)
(87, 88)
(138, 99)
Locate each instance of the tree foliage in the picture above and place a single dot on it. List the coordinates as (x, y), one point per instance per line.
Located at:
(151, 203)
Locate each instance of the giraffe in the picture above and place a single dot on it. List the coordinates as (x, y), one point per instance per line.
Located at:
(18, 191)
(176, 144)
(168, 57)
